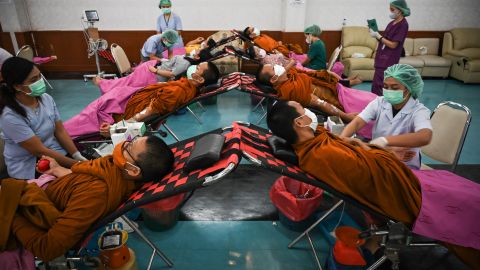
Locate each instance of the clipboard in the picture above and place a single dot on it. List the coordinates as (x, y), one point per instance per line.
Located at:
(372, 24)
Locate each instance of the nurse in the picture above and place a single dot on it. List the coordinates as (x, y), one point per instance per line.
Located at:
(317, 54)
(169, 20)
(390, 45)
(31, 125)
(155, 45)
(402, 122)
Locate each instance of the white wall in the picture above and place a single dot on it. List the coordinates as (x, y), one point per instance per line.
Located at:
(227, 14)
(435, 15)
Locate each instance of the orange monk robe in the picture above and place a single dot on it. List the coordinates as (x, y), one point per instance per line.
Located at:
(300, 85)
(269, 44)
(375, 178)
(161, 98)
(93, 190)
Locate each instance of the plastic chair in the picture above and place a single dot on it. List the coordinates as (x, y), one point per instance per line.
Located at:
(450, 123)
(121, 59)
(26, 52)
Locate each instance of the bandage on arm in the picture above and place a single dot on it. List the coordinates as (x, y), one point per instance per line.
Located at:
(324, 106)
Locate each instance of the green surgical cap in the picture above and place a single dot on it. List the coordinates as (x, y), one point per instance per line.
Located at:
(402, 6)
(408, 76)
(170, 35)
(313, 30)
(165, 3)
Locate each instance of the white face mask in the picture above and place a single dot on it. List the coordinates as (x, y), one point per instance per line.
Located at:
(256, 31)
(203, 45)
(279, 70)
(308, 40)
(262, 53)
(314, 124)
(393, 15)
(193, 53)
(191, 69)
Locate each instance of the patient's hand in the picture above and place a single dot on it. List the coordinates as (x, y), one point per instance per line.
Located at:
(55, 169)
(152, 69)
(105, 130)
(356, 142)
(402, 153)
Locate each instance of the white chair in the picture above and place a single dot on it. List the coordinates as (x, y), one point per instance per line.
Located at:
(450, 123)
(334, 57)
(121, 59)
(26, 52)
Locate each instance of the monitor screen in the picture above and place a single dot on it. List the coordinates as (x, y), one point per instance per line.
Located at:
(91, 15)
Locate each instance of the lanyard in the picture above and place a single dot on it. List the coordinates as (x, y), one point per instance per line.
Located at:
(166, 22)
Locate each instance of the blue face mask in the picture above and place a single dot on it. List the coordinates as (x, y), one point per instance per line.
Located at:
(191, 69)
(167, 10)
(38, 88)
(167, 44)
(393, 97)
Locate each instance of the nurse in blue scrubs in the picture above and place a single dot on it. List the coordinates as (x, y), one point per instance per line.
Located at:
(402, 122)
(169, 20)
(30, 122)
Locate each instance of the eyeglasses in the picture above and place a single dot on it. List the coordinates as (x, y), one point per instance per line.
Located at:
(127, 147)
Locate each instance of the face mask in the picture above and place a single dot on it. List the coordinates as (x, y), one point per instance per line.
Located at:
(279, 70)
(118, 158)
(262, 53)
(308, 40)
(166, 10)
(393, 15)
(191, 69)
(167, 44)
(314, 124)
(203, 45)
(193, 53)
(393, 97)
(256, 31)
(38, 88)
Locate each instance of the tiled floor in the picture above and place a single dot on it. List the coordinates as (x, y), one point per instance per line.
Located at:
(247, 244)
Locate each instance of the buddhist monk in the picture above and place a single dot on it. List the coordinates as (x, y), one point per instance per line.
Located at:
(377, 179)
(269, 44)
(50, 222)
(316, 89)
(166, 97)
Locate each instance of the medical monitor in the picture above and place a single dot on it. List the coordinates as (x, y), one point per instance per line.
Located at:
(91, 16)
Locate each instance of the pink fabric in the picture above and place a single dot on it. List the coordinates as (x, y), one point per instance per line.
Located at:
(354, 100)
(42, 60)
(338, 68)
(20, 259)
(43, 180)
(176, 51)
(297, 57)
(140, 77)
(99, 111)
(450, 208)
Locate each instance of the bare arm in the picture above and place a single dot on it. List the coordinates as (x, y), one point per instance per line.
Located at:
(415, 139)
(160, 72)
(195, 41)
(290, 65)
(64, 139)
(330, 109)
(35, 146)
(154, 57)
(139, 117)
(353, 127)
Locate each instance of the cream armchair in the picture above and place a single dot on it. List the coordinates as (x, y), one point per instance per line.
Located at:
(462, 46)
(356, 40)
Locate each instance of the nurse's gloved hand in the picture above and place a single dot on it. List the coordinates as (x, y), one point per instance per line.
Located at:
(374, 34)
(380, 141)
(78, 156)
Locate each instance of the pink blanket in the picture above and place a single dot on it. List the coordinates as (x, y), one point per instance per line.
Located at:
(99, 111)
(140, 77)
(450, 208)
(354, 100)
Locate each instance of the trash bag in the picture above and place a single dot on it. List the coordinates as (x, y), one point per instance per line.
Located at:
(296, 200)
